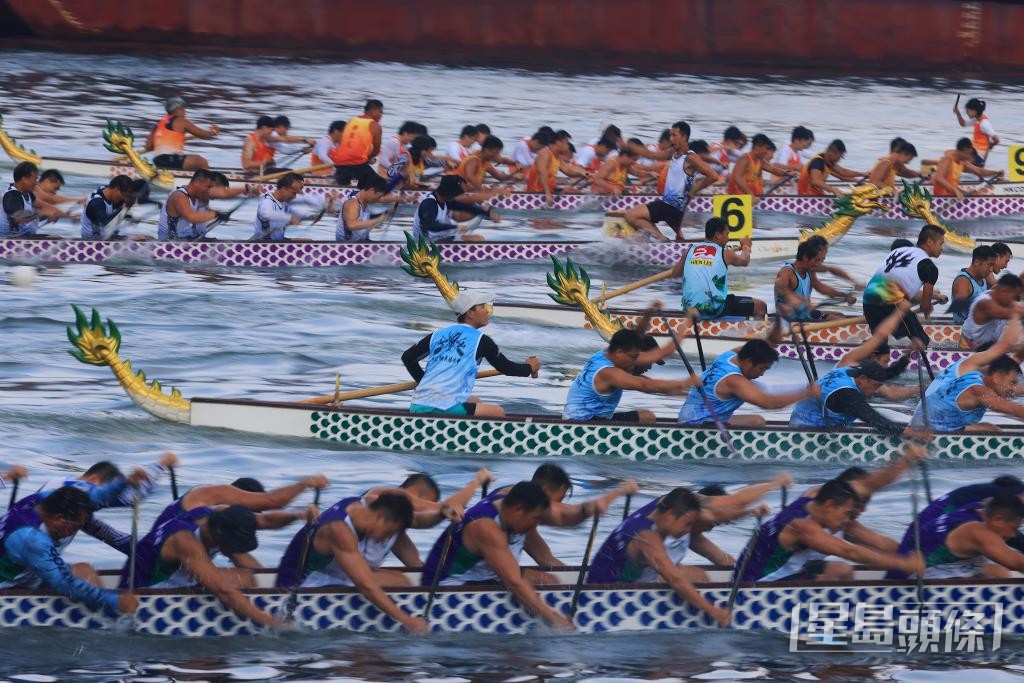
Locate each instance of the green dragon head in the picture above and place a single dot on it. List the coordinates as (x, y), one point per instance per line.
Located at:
(571, 286)
(861, 201)
(916, 202)
(424, 260)
(93, 344)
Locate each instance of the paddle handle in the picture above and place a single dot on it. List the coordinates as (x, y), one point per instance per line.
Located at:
(658, 277)
(174, 483)
(378, 391)
(133, 551)
(437, 572)
(925, 476)
(703, 394)
(625, 507)
(14, 493)
(583, 567)
(742, 568)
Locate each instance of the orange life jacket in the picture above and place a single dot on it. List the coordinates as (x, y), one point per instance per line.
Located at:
(356, 143)
(980, 140)
(953, 178)
(478, 177)
(662, 178)
(533, 177)
(262, 152)
(803, 183)
(619, 176)
(754, 179)
(890, 176)
(166, 140)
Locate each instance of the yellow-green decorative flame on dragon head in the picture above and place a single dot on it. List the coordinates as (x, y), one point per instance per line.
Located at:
(916, 202)
(424, 260)
(95, 345)
(119, 139)
(845, 211)
(571, 286)
(16, 151)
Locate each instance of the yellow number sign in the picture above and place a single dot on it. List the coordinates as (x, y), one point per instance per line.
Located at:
(738, 213)
(1016, 163)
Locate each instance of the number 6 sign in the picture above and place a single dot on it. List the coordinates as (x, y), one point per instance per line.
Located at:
(737, 212)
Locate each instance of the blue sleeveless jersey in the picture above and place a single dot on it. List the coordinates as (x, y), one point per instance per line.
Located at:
(807, 413)
(583, 401)
(694, 412)
(612, 563)
(705, 279)
(959, 309)
(767, 555)
(150, 569)
(944, 415)
(289, 573)
(803, 290)
(451, 368)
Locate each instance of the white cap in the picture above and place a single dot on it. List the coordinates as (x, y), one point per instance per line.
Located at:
(467, 300)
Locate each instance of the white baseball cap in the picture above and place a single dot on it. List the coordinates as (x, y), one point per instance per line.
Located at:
(467, 300)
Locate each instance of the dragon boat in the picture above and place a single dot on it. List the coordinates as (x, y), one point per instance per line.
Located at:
(795, 608)
(1006, 198)
(246, 254)
(524, 435)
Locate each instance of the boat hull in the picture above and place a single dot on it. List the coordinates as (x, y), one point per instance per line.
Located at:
(532, 436)
(642, 607)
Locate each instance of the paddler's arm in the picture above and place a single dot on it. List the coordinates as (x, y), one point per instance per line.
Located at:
(351, 213)
(811, 535)
(884, 476)
(846, 174)
(816, 176)
(1007, 338)
(650, 546)
(115, 538)
(566, 514)
(488, 350)
(776, 169)
(827, 289)
(979, 171)
(752, 493)
(992, 546)
(414, 354)
(744, 389)
(278, 519)
(706, 548)
(882, 334)
(611, 378)
(427, 211)
(201, 133)
(903, 171)
(33, 548)
(16, 472)
(269, 500)
(462, 497)
(181, 206)
(654, 355)
(739, 174)
(739, 258)
(855, 532)
(851, 402)
(709, 176)
(376, 132)
(405, 550)
(942, 173)
(536, 547)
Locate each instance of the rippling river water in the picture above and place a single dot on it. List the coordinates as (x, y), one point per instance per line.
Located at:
(284, 334)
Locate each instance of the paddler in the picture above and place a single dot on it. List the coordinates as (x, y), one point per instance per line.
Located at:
(970, 541)
(395, 147)
(277, 210)
(971, 282)
(359, 144)
(445, 387)
(597, 389)
(883, 173)
(961, 394)
(182, 217)
(728, 151)
(649, 546)
(461, 148)
(437, 214)
(814, 175)
(178, 550)
(797, 279)
(793, 156)
(908, 272)
(105, 204)
(476, 165)
(284, 143)
(704, 268)
(21, 209)
(527, 149)
(595, 153)
(32, 538)
(322, 148)
(344, 546)
(257, 154)
(355, 222)
(540, 177)
(747, 173)
(484, 548)
(167, 139)
(983, 137)
(988, 314)
(1003, 255)
(952, 164)
(681, 185)
(48, 187)
(613, 175)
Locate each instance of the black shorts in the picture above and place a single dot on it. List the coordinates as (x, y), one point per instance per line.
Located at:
(874, 314)
(175, 162)
(737, 306)
(663, 212)
(977, 159)
(344, 175)
(621, 416)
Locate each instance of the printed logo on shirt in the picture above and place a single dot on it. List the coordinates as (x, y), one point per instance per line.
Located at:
(897, 259)
(703, 255)
(451, 348)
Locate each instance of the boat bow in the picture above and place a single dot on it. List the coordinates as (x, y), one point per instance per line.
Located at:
(916, 202)
(95, 345)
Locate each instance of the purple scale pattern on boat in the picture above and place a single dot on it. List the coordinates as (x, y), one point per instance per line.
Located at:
(939, 359)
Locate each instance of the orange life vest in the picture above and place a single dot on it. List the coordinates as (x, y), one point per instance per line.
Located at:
(980, 140)
(953, 178)
(478, 177)
(262, 152)
(165, 140)
(533, 177)
(356, 143)
(619, 176)
(662, 178)
(754, 180)
(890, 176)
(803, 183)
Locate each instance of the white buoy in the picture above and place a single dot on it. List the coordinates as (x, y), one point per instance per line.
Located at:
(23, 276)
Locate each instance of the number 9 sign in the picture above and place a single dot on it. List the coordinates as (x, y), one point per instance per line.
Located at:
(1016, 163)
(737, 212)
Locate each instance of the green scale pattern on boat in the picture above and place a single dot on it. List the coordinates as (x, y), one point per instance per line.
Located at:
(484, 437)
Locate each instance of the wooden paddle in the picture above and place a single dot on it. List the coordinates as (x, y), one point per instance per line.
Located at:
(174, 483)
(734, 591)
(583, 568)
(833, 324)
(136, 510)
(925, 478)
(625, 507)
(377, 391)
(704, 395)
(293, 595)
(299, 171)
(14, 493)
(626, 289)
(450, 532)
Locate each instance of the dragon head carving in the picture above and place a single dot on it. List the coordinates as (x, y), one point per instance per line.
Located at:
(916, 202)
(861, 201)
(119, 139)
(424, 260)
(571, 286)
(16, 151)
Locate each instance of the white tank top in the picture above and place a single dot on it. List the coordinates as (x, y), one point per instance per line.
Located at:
(676, 547)
(341, 231)
(176, 227)
(374, 552)
(978, 334)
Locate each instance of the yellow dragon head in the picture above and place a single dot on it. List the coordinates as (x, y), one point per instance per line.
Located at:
(846, 210)
(16, 151)
(119, 139)
(424, 260)
(571, 286)
(916, 202)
